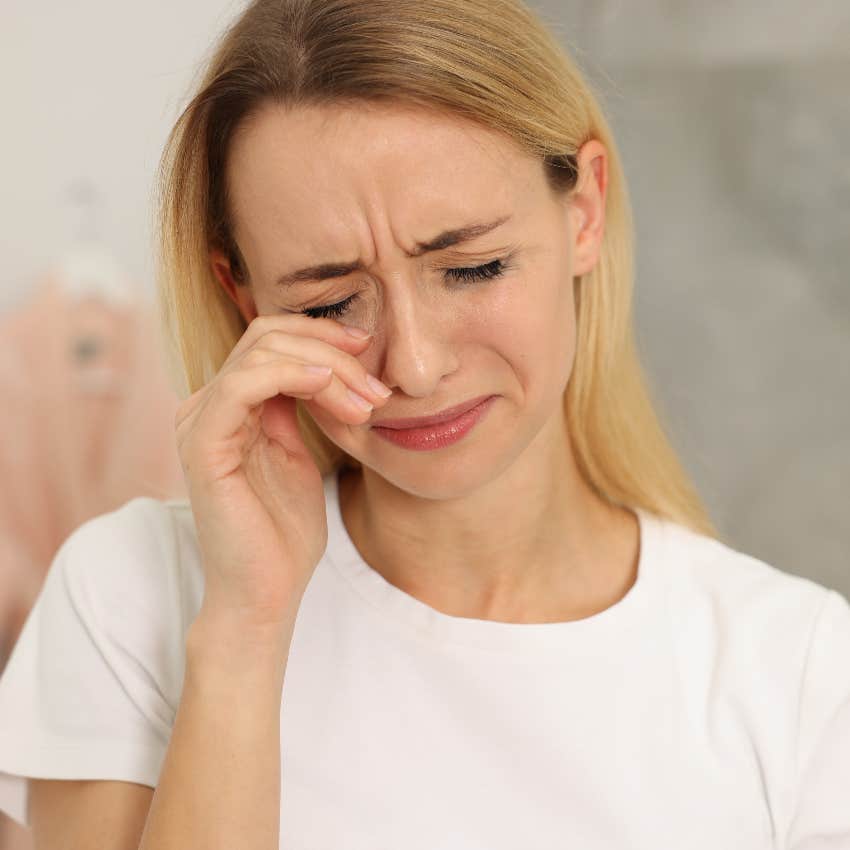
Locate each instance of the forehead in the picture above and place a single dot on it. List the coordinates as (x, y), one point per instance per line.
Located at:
(294, 170)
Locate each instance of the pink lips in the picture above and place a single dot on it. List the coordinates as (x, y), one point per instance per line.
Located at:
(422, 421)
(438, 435)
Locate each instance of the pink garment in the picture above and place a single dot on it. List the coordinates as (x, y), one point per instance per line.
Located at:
(87, 420)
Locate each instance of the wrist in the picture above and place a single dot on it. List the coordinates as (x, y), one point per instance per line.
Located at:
(227, 639)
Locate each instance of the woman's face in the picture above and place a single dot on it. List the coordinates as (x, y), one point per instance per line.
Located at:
(367, 184)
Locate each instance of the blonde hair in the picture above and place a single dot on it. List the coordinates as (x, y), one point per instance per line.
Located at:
(491, 61)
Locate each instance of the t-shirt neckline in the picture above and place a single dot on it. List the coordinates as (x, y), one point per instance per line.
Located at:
(410, 614)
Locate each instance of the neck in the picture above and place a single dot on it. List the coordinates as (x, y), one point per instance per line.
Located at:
(533, 544)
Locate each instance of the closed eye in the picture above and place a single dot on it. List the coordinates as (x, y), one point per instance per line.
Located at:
(485, 272)
(488, 271)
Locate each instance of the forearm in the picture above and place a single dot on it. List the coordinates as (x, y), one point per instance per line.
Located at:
(220, 782)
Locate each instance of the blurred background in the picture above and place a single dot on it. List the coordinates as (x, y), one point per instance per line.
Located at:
(733, 123)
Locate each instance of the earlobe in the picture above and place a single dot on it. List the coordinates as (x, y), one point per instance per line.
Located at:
(588, 201)
(582, 220)
(580, 237)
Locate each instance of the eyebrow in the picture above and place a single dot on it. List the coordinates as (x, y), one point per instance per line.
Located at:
(447, 239)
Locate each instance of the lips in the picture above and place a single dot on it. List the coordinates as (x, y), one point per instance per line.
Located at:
(423, 421)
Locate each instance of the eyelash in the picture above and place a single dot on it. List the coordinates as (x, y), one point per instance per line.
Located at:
(489, 271)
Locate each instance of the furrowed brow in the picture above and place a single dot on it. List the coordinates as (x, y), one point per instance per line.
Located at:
(447, 239)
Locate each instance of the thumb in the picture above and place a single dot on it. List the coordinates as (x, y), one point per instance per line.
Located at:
(279, 422)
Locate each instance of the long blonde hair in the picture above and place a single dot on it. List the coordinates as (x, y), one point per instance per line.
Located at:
(492, 61)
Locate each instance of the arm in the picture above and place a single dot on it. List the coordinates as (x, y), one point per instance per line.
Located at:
(220, 783)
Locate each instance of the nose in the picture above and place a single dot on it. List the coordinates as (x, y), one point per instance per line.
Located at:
(417, 340)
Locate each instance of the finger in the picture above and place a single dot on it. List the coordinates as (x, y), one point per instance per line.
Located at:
(336, 395)
(310, 350)
(234, 396)
(331, 331)
(296, 324)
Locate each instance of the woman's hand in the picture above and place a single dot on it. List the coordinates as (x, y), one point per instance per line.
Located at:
(255, 490)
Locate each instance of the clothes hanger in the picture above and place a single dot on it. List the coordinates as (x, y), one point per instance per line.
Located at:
(87, 269)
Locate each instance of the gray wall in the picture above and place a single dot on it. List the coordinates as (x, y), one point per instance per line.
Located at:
(733, 122)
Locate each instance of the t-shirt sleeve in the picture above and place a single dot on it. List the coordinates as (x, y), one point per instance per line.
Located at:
(91, 687)
(821, 815)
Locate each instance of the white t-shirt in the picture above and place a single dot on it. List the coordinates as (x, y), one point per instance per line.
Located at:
(709, 708)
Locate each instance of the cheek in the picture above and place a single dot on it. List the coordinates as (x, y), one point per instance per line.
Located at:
(531, 327)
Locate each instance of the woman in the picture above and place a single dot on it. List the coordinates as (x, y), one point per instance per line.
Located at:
(512, 628)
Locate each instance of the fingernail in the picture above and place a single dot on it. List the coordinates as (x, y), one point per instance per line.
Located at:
(378, 387)
(358, 333)
(360, 401)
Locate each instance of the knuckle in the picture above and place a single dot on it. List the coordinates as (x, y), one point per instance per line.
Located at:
(261, 322)
(254, 357)
(228, 383)
(276, 338)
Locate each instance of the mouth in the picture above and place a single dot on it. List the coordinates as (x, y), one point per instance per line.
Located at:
(422, 421)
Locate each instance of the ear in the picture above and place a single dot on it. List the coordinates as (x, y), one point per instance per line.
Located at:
(239, 293)
(587, 206)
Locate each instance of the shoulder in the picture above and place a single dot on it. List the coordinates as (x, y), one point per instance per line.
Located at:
(142, 519)
(748, 625)
(142, 532)
(737, 587)
(779, 641)
(763, 655)
(134, 564)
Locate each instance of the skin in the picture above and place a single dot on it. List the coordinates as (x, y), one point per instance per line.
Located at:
(500, 525)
